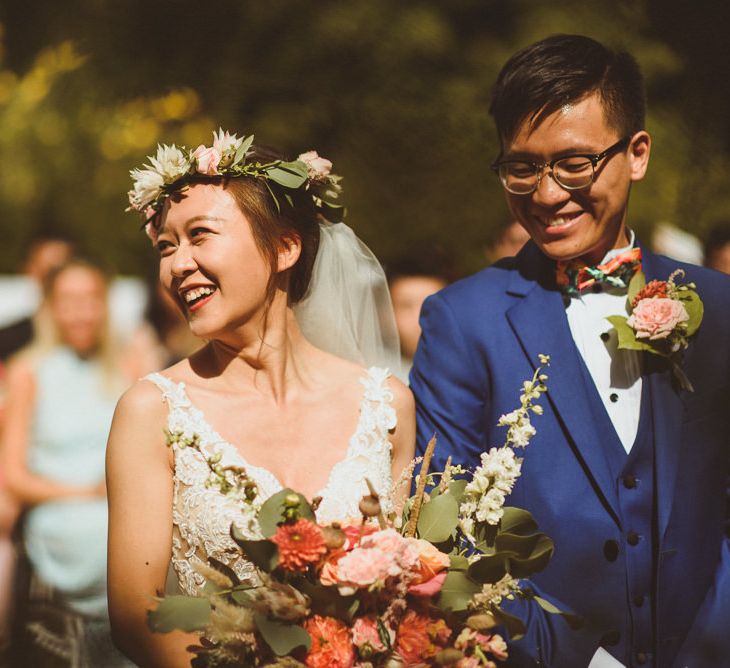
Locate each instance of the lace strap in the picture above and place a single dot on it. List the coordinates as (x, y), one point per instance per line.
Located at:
(172, 393)
(376, 409)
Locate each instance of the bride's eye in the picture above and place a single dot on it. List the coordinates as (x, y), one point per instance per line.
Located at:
(198, 232)
(164, 247)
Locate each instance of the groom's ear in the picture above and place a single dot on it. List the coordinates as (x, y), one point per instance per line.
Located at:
(290, 248)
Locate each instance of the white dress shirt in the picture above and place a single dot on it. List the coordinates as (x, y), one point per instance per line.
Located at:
(616, 373)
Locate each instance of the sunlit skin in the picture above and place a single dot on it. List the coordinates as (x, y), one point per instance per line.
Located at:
(408, 294)
(289, 407)
(78, 306)
(590, 221)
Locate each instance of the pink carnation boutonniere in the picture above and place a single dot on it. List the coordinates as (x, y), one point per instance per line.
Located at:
(663, 315)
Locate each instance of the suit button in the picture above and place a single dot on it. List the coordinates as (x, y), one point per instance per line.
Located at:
(610, 638)
(641, 658)
(633, 538)
(610, 550)
(629, 481)
(638, 600)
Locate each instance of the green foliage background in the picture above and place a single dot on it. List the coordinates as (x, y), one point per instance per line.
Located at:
(394, 92)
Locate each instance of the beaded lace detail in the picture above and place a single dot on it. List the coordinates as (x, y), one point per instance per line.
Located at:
(202, 516)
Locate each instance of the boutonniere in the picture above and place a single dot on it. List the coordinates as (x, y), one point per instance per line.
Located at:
(663, 315)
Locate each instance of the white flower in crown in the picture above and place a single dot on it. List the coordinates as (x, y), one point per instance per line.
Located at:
(147, 186)
(226, 144)
(318, 168)
(170, 162)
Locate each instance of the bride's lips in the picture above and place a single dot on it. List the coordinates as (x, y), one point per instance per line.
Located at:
(194, 297)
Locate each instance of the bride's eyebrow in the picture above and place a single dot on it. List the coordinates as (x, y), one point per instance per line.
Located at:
(210, 219)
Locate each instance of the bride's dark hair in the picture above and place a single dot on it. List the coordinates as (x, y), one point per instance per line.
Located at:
(296, 214)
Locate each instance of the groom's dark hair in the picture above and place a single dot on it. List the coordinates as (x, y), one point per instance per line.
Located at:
(564, 69)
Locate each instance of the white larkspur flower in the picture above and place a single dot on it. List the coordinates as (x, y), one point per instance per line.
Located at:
(170, 162)
(147, 186)
(520, 434)
(510, 418)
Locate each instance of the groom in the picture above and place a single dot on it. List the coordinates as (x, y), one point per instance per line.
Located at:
(628, 474)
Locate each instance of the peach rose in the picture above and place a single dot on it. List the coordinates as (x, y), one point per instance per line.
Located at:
(656, 318)
(207, 160)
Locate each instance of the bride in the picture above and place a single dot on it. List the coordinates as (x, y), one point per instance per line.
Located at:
(273, 289)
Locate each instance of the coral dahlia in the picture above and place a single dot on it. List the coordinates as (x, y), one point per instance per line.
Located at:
(300, 544)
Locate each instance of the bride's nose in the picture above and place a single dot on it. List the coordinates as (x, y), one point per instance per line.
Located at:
(183, 262)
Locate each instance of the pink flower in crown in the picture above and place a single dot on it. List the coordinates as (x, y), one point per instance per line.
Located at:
(318, 168)
(657, 317)
(152, 232)
(207, 160)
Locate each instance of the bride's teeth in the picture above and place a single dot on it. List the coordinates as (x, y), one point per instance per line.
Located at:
(197, 293)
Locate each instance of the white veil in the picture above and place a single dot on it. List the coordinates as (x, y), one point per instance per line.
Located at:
(347, 310)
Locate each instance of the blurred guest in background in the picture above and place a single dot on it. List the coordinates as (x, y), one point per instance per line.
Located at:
(412, 278)
(164, 337)
(45, 253)
(61, 395)
(717, 248)
(508, 241)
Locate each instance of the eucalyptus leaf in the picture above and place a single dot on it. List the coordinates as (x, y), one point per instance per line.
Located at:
(438, 519)
(456, 489)
(520, 546)
(281, 637)
(626, 336)
(457, 591)
(458, 562)
(517, 521)
(695, 310)
(489, 569)
(536, 561)
(263, 553)
(287, 175)
(575, 622)
(186, 613)
(637, 282)
(272, 511)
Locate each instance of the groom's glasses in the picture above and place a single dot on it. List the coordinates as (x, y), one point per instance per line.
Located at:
(572, 172)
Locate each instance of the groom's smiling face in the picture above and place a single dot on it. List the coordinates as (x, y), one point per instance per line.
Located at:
(585, 223)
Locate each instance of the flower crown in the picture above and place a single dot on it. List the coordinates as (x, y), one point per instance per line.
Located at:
(174, 167)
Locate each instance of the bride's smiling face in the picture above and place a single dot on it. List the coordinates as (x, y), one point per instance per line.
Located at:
(210, 262)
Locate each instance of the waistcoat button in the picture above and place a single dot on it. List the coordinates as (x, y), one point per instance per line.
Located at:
(633, 538)
(610, 550)
(629, 481)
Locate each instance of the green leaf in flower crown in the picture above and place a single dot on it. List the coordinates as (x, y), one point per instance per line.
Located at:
(626, 336)
(514, 625)
(438, 519)
(637, 282)
(695, 310)
(241, 152)
(288, 174)
(522, 566)
(281, 637)
(575, 622)
(185, 613)
(457, 591)
(517, 521)
(272, 511)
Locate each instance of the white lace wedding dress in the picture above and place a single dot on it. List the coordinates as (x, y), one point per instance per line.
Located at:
(202, 516)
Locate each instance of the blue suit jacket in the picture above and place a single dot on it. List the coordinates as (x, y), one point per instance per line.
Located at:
(481, 339)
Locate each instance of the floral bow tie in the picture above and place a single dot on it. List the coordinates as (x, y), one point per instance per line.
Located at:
(575, 275)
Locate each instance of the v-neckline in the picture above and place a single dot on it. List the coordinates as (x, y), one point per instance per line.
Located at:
(215, 439)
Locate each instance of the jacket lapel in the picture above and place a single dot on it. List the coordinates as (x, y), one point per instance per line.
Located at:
(666, 407)
(539, 322)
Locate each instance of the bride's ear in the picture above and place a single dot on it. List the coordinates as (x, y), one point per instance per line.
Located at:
(290, 248)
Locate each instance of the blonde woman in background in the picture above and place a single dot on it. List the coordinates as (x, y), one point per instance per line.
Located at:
(61, 394)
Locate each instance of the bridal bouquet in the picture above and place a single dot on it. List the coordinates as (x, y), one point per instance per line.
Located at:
(421, 588)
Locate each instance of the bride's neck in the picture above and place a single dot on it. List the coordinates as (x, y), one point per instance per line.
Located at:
(275, 355)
